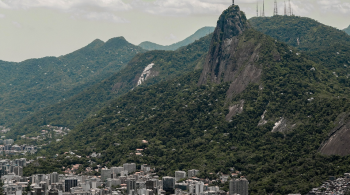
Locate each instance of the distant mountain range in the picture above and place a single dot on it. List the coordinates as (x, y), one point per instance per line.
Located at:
(87, 103)
(197, 35)
(31, 85)
(347, 30)
(40, 84)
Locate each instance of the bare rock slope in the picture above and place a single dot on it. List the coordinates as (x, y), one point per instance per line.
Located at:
(338, 140)
(237, 54)
(232, 57)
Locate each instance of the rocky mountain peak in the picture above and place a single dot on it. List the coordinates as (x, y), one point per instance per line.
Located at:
(231, 58)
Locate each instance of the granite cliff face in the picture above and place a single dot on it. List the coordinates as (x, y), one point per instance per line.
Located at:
(232, 57)
(338, 139)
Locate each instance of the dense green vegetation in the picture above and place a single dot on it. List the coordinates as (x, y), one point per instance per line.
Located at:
(33, 84)
(185, 124)
(312, 35)
(324, 44)
(168, 65)
(197, 35)
(347, 30)
(186, 127)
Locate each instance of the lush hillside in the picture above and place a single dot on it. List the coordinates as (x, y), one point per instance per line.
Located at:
(197, 35)
(324, 44)
(167, 65)
(270, 124)
(301, 32)
(33, 84)
(347, 30)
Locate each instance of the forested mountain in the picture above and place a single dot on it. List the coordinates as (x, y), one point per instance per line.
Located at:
(304, 33)
(324, 44)
(166, 65)
(197, 35)
(347, 30)
(258, 104)
(33, 84)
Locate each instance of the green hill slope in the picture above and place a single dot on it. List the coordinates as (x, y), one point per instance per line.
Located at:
(197, 35)
(258, 105)
(301, 32)
(33, 84)
(167, 65)
(324, 44)
(347, 30)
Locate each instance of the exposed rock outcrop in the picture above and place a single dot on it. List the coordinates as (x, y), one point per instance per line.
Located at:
(235, 109)
(337, 142)
(263, 121)
(231, 57)
(280, 126)
(146, 74)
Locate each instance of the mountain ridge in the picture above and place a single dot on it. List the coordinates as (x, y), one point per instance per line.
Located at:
(347, 30)
(167, 64)
(197, 35)
(323, 44)
(33, 84)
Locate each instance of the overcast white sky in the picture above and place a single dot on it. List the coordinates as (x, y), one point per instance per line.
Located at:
(38, 28)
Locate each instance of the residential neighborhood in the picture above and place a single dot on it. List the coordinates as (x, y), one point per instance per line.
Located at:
(123, 180)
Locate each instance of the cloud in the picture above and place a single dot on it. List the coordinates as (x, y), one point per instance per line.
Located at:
(334, 6)
(2, 16)
(3, 5)
(66, 5)
(96, 10)
(171, 37)
(157, 7)
(16, 24)
(106, 9)
(100, 16)
(182, 7)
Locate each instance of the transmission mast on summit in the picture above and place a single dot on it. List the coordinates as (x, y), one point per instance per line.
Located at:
(263, 12)
(290, 8)
(285, 8)
(275, 11)
(233, 2)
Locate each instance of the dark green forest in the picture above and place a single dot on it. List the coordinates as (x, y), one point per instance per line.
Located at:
(186, 127)
(323, 44)
(306, 85)
(34, 84)
(168, 65)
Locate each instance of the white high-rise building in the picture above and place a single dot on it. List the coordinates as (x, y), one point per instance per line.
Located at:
(117, 171)
(179, 175)
(105, 174)
(193, 173)
(54, 178)
(131, 168)
(239, 186)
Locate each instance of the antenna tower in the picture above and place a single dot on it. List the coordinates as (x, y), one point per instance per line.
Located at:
(275, 11)
(290, 8)
(285, 8)
(257, 9)
(263, 14)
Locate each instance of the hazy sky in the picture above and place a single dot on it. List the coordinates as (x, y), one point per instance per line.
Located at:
(38, 28)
